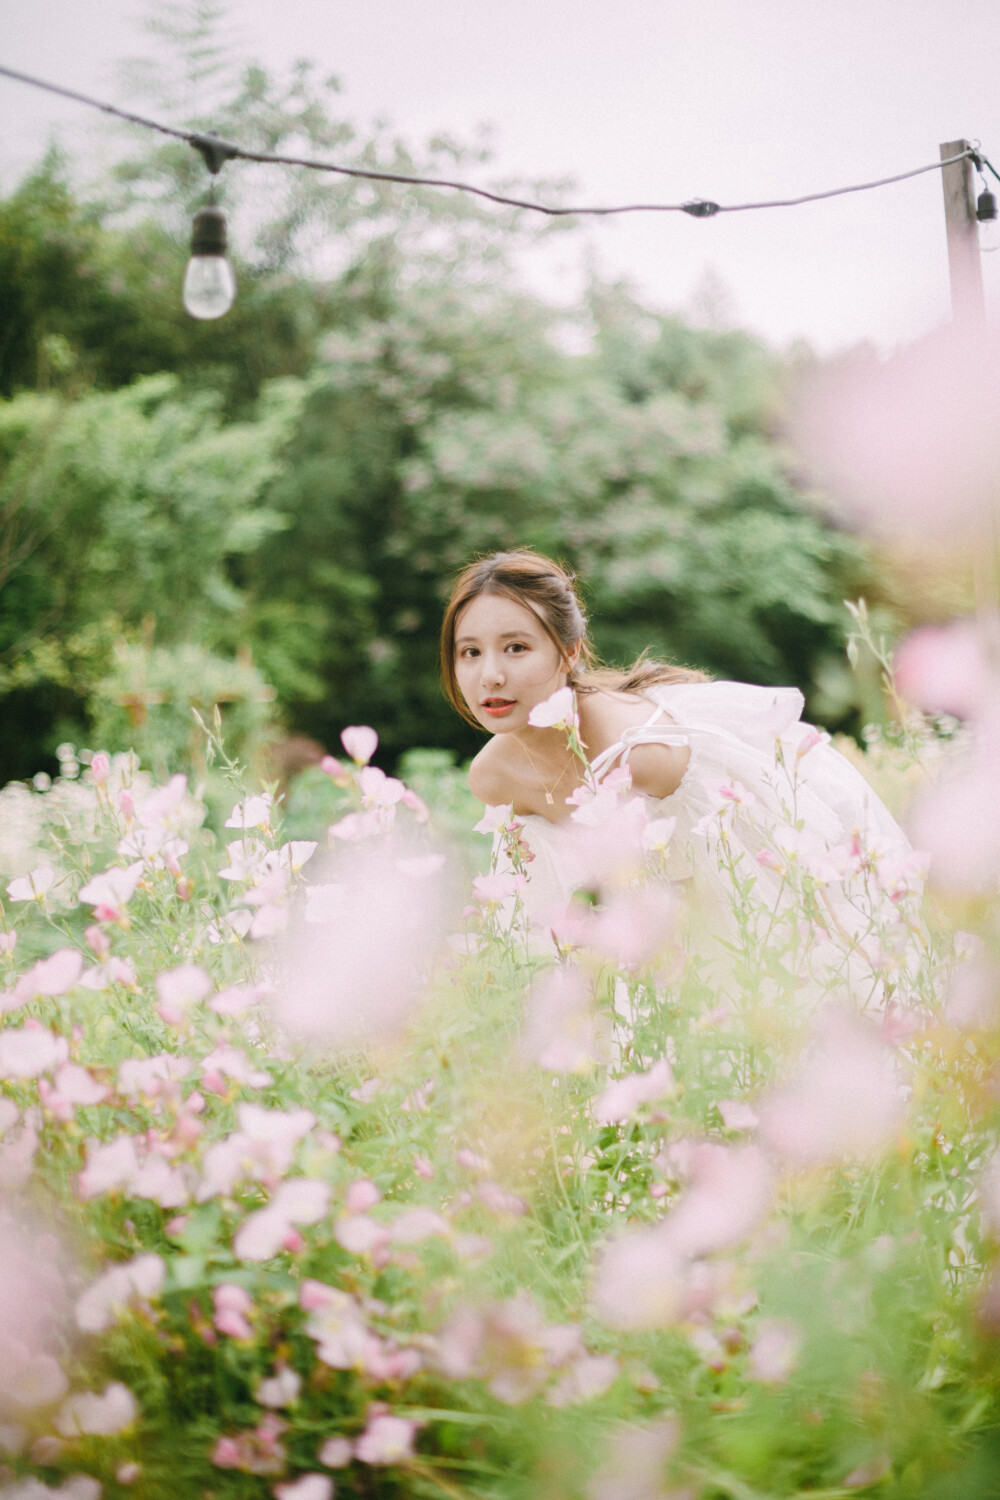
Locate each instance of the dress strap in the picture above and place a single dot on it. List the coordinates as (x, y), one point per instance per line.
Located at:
(649, 733)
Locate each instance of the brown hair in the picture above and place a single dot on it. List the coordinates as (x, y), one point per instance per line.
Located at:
(547, 589)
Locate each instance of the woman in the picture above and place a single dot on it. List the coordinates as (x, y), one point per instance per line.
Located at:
(746, 799)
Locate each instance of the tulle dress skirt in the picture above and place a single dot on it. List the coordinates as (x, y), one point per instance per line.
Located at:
(777, 846)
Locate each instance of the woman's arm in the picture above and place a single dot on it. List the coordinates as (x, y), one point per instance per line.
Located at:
(657, 770)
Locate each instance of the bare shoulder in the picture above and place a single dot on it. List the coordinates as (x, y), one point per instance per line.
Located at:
(657, 769)
(489, 780)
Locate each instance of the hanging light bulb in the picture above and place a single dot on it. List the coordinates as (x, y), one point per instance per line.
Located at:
(986, 213)
(209, 281)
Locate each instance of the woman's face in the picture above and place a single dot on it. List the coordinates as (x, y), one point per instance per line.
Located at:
(505, 662)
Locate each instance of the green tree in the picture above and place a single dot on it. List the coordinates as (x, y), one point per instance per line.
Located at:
(121, 514)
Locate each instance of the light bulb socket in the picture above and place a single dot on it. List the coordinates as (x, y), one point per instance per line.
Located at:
(986, 206)
(208, 231)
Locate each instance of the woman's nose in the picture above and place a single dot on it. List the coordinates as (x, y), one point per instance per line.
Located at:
(492, 670)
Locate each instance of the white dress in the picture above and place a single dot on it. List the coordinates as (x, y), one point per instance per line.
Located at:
(768, 816)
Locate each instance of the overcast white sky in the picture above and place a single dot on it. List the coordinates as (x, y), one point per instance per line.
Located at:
(649, 99)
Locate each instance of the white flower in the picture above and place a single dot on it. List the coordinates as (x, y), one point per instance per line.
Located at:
(556, 712)
(32, 887)
(254, 812)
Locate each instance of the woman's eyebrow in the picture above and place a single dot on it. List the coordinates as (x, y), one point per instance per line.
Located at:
(507, 635)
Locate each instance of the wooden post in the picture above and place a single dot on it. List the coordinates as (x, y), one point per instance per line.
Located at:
(968, 304)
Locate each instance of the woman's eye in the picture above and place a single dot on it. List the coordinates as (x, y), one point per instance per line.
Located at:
(468, 651)
(516, 646)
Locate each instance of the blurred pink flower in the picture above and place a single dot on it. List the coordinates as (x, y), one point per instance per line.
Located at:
(29, 1050)
(120, 1286)
(845, 1098)
(336, 1453)
(386, 1439)
(361, 1195)
(774, 1352)
(8, 942)
(416, 1224)
(729, 1194)
(309, 1487)
(360, 742)
(178, 989)
(228, 1062)
(353, 980)
(507, 1344)
(280, 1389)
(736, 1115)
(944, 669)
(635, 1468)
(621, 1099)
(55, 975)
(337, 1325)
(152, 1077)
(88, 1413)
(640, 1281)
(560, 1029)
(33, 1313)
(957, 822)
(110, 1166)
(557, 711)
(907, 444)
(266, 1231)
(259, 1451)
(155, 807)
(585, 1378)
(231, 1304)
(100, 767)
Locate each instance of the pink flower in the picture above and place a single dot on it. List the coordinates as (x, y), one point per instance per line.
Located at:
(508, 1345)
(944, 669)
(119, 1287)
(152, 1077)
(657, 834)
(621, 1099)
(8, 942)
(500, 885)
(354, 979)
(337, 1325)
(88, 1413)
(640, 1281)
(556, 712)
(231, 1304)
(636, 1465)
(730, 1193)
(112, 891)
(361, 1195)
(32, 887)
(332, 767)
(560, 1031)
(774, 1352)
(386, 1440)
(280, 1389)
(109, 1167)
(178, 989)
(265, 1232)
(55, 975)
(100, 768)
(416, 1224)
(309, 1487)
(30, 1050)
(736, 1115)
(360, 742)
(336, 1453)
(229, 1062)
(360, 1235)
(845, 1099)
(908, 442)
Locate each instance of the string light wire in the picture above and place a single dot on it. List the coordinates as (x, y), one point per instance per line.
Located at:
(215, 150)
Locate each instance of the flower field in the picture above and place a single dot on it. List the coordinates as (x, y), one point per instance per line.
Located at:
(322, 1176)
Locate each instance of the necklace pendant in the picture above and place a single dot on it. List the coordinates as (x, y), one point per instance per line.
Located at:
(550, 799)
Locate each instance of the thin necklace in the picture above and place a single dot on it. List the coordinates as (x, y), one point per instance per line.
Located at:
(547, 790)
